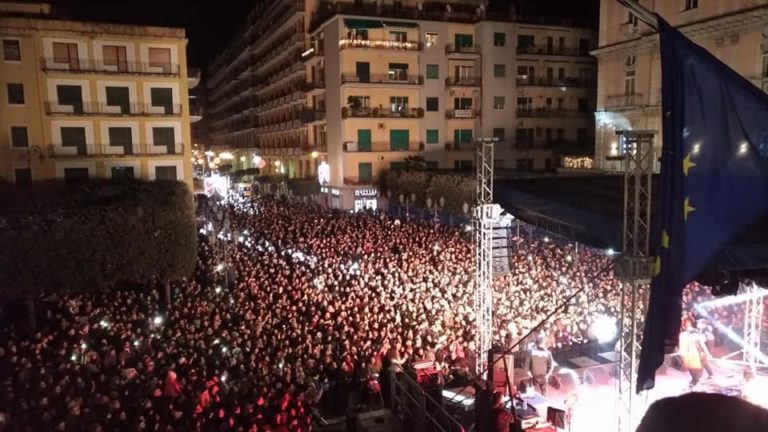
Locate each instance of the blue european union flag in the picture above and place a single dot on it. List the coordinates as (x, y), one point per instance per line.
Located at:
(714, 178)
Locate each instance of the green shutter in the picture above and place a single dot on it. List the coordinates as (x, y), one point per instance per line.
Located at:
(499, 39)
(433, 136)
(433, 71)
(398, 139)
(397, 166)
(363, 140)
(365, 171)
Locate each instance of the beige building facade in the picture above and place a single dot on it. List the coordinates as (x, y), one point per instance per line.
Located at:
(375, 85)
(629, 68)
(83, 100)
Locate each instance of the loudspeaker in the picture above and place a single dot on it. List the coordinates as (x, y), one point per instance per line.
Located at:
(501, 370)
(556, 417)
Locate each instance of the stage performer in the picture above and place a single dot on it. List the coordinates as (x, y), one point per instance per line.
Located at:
(693, 351)
(540, 365)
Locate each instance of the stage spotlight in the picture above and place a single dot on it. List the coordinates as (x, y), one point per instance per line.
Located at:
(604, 328)
(158, 320)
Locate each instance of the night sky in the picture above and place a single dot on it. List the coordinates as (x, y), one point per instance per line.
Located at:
(211, 23)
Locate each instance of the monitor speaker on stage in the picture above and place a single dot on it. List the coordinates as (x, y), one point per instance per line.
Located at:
(556, 416)
(500, 371)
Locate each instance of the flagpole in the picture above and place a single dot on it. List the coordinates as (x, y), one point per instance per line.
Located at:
(641, 12)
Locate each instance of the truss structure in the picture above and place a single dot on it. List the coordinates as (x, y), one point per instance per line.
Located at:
(485, 214)
(753, 323)
(635, 269)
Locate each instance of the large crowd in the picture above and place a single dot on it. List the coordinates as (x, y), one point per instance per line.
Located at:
(316, 304)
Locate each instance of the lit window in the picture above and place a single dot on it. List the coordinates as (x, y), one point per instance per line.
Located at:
(431, 39)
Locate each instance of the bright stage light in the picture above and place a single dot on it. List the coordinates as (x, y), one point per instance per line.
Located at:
(158, 320)
(604, 328)
(610, 252)
(218, 289)
(220, 267)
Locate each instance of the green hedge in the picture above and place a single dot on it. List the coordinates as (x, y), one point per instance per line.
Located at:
(93, 236)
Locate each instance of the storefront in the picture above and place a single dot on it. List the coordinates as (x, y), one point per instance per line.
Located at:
(366, 199)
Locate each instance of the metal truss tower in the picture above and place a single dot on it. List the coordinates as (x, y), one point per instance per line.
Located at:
(753, 323)
(485, 214)
(634, 268)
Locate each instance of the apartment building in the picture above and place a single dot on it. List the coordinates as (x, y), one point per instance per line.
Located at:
(629, 68)
(82, 100)
(369, 85)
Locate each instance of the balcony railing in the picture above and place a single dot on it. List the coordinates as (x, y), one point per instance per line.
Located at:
(546, 50)
(462, 113)
(382, 79)
(463, 82)
(314, 85)
(556, 82)
(624, 101)
(380, 44)
(87, 65)
(355, 147)
(309, 116)
(102, 109)
(453, 146)
(360, 181)
(368, 112)
(550, 112)
(462, 49)
(113, 151)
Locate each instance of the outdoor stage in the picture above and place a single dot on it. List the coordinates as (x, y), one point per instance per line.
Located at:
(595, 389)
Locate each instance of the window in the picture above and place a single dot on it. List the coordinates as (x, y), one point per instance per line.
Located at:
(584, 46)
(499, 134)
(75, 176)
(397, 166)
(398, 72)
(498, 102)
(524, 103)
(523, 138)
(119, 97)
(433, 136)
(70, 95)
(581, 137)
(432, 104)
(462, 103)
(691, 4)
(165, 173)
(363, 140)
(463, 73)
(629, 83)
(499, 70)
(164, 137)
(15, 94)
(463, 40)
(462, 165)
(23, 177)
(19, 136)
(162, 97)
(631, 19)
(433, 71)
(431, 39)
(398, 139)
(583, 104)
(66, 53)
(121, 137)
(74, 137)
(462, 136)
(363, 71)
(398, 104)
(499, 39)
(365, 172)
(398, 36)
(116, 57)
(525, 43)
(11, 50)
(123, 173)
(160, 58)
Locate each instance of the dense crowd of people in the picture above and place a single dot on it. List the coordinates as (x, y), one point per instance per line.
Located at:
(317, 302)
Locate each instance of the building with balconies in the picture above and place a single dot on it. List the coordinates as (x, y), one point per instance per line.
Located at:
(81, 100)
(629, 68)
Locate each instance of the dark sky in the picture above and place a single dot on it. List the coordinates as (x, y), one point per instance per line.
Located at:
(211, 23)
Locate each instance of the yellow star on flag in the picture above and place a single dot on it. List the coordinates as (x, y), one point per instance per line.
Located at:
(687, 208)
(687, 164)
(664, 239)
(657, 266)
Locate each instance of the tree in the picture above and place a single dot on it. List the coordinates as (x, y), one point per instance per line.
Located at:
(415, 163)
(72, 239)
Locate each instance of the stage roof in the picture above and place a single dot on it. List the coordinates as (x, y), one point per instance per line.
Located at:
(589, 209)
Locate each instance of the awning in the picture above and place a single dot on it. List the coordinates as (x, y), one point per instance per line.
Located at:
(355, 23)
(401, 24)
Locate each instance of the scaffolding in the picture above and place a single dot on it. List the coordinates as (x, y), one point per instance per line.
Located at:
(634, 269)
(753, 323)
(485, 214)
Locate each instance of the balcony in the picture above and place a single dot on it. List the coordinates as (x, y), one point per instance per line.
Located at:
(59, 151)
(556, 82)
(93, 66)
(101, 109)
(549, 113)
(463, 82)
(355, 147)
(369, 112)
(624, 101)
(453, 49)
(382, 79)
(380, 44)
(310, 116)
(452, 146)
(462, 113)
(193, 77)
(554, 51)
(313, 87)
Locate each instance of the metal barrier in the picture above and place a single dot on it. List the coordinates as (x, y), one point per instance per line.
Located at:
(417, 410)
